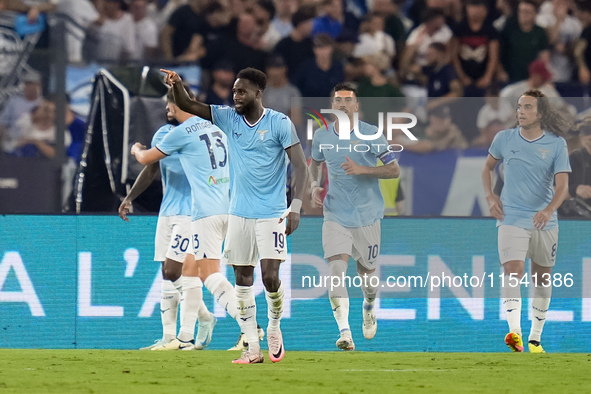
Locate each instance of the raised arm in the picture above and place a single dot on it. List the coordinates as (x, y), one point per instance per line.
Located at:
(182, 99)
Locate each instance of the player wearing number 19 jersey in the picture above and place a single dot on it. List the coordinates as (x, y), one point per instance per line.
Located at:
(536, 168)
(260, 141)
(353, 207)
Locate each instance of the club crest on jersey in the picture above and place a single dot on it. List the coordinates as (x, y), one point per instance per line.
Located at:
(262, 133)
(543, 152)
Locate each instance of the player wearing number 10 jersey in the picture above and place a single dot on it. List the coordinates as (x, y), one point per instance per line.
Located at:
(353, 207)
(204, 157)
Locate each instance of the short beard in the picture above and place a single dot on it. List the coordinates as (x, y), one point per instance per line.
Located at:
(246, 108)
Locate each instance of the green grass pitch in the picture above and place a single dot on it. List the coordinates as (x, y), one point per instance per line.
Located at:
(112, 371)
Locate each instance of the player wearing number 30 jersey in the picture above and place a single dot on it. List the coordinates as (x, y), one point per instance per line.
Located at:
(203, 154)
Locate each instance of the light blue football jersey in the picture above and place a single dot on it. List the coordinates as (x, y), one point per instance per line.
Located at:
(201, 148)
(175, 199)
(529, 168)
(351, 200)
(259, 161)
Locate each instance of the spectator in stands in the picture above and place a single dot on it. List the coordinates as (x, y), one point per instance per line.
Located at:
(37, 132)
(496, 115)
(394, 25)
(507, 10)
(82, 14)
(160, 11)
(440, 134)
(297, 47)
(264, 12)
(522, 42)
(182, 39)
(218, 19)
(220, 91)
(580, 179)
(583, 46)
(242, 50)
(442, 80)
(285, 9)
(539, 78)
(563, 31)
(316, 77)
(16, 107)
(375, 84)
(114, 34)
(335, 20)
(475, 49)
(146, 32)
(433, 29)
(374, 40)
(32, 8)
(280, 95)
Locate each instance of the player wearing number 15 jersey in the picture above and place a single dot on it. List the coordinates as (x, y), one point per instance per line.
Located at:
(353, 207)
(201, 148)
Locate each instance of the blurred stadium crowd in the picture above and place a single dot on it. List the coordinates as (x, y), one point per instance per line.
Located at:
(427, 55)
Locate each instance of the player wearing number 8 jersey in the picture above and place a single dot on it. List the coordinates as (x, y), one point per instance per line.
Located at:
(536, 168)
(353, 207)
(201, 148)
(260, 140)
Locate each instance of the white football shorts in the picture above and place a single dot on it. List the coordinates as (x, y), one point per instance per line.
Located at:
(516, 243)
(208, 236)
(173, 238)
(362, 243)
(249, 240)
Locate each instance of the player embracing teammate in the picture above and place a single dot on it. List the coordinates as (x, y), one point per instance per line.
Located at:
(260, 141)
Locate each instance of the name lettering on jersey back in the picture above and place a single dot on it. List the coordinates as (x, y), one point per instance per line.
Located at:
(197, 127)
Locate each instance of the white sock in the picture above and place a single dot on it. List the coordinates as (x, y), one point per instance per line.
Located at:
(339, 297)
(369, 286)
(275, 308)
(203, 314)
(178, 284)
(223, 292)
(169, 306)
(540, 304)
(512, 304)
(190, 305)
(247, 314)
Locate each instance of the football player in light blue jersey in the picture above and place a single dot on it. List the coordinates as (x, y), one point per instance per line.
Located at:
(260, 142)
(173, 233)
(536, 168)
(353, 207)
(201, 149)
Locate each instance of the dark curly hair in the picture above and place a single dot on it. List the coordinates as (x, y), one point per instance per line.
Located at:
(256, 77)
(550, 120)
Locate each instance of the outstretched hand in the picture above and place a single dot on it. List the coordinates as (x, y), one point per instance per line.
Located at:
(171, 77)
